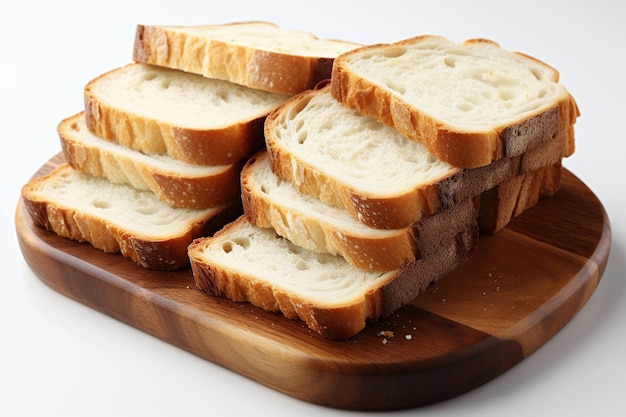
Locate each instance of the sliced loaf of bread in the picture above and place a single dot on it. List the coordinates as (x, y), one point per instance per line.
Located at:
(246, 263)
(173, 181)
(469, 103)
(270, 201)
(118, 218)
(381, 178)
(255, 54)
(161, 111)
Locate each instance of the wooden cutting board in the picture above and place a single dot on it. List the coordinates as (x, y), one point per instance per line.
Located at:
(519, 289)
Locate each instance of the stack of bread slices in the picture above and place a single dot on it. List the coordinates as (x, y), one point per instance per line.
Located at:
(153, 161)
(372, 184)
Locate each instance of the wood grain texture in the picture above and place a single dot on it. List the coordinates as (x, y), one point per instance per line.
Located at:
(519, 289)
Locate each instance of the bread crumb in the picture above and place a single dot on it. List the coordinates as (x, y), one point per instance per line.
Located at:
(408, 337)
(385, 333)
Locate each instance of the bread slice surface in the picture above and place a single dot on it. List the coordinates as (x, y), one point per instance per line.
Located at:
(469, 103)
(119, 218)
(246, 263)
(186, 116)
(175, 182)
(352, 161)
(255, 54)
(272, 202)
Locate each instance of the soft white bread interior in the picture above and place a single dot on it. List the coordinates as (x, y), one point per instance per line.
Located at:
(381, 178)
(352, 161)
(173, 181)
(249, 264)
(272, 202)
(255, 54)
(186, 116)
(469, 103)
(118, 218)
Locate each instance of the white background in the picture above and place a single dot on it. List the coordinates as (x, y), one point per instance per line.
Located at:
(58, 357)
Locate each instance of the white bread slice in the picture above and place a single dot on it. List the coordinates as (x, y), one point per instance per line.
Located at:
(469, 103)
(118, 218)
(255, 54)
(378, 176)
(186, 116)
(270, 201)
(245, 263)
(175, 182)
(504, 202)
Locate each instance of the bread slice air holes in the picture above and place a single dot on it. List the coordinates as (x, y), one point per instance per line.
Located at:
(396, 52)
(165, 84)
(302, 137)
(301, 265)
(322, 258)
(100, 203)
(327, 125)
(450, 61)
(506, 94)
(149, 76)
(539, 75)
(237, 243)
(294, 249)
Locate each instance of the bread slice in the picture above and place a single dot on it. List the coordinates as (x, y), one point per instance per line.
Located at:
(381, 178)
(160, 111)
(118, 218)
(469, 103)
(502, 203)
(177, 183)
(270, 201)
(246, 263)
(255, 54)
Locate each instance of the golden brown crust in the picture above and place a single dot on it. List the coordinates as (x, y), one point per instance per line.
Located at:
(389, 212)
(339, 322)
(361, 250)
(399, 211)
(164, 254)
(177, 188)
(221, 146)
(458, 148)
(367, 251)
(255, 68)
(333, 322)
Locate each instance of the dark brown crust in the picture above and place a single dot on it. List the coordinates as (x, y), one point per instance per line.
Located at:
(458, 148)
(255, 68)
(502, 203)
(166, 254)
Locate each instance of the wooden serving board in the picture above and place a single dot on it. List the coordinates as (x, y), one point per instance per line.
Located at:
(518, 290)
